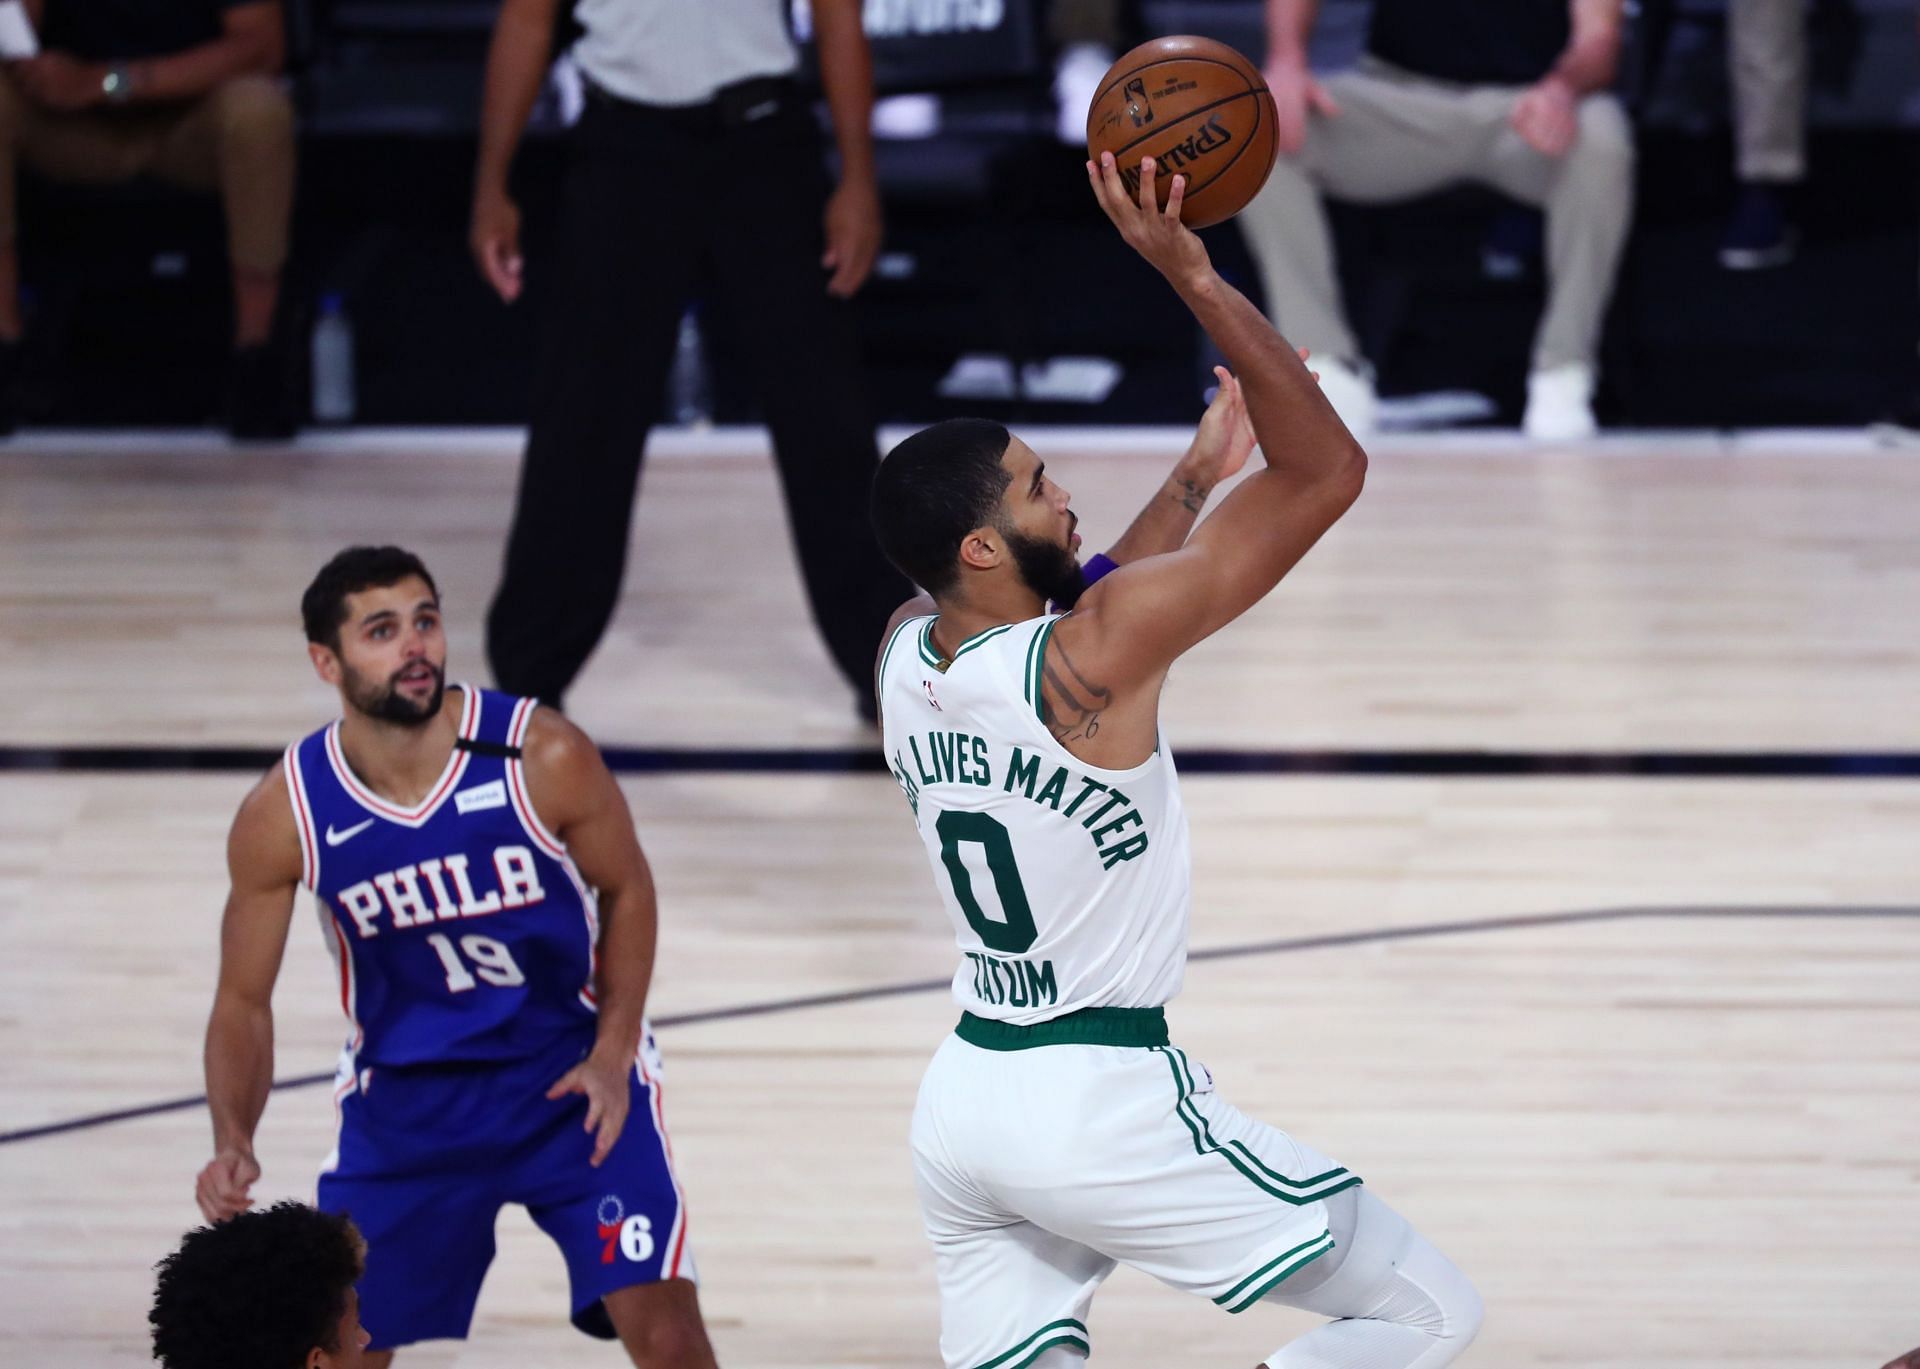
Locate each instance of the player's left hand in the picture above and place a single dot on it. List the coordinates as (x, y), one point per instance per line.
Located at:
(1224, 439)
(60, 82)
(603, 1082)
(854, 229)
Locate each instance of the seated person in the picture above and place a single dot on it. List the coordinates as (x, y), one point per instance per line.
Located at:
(182, 90)
(1507, 93)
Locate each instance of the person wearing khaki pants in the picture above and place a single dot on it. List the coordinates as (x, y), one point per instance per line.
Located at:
(183, 91)
(1505, 93)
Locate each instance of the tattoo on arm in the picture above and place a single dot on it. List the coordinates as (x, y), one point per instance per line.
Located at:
(1191, 495)
(1073, 704)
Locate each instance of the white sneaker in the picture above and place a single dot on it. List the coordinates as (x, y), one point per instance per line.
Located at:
(1350, 390)
(1560, 404)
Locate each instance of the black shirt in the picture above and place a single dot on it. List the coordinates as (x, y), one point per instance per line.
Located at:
(118, 30)
(1473, 42)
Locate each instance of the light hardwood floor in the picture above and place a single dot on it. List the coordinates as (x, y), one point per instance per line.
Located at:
(1684, 1135)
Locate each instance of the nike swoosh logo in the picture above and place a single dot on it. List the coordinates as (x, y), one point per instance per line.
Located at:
(335, 838)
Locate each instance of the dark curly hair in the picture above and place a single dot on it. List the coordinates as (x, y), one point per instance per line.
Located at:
(324, 606)
(258, 1292)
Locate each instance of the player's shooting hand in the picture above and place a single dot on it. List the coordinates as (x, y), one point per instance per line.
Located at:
(1296, 96)
(854, 227)
(1910, 1360)
(1156, 234)
(603, 1082)
(221, 1187)
(1224, 440)
(495, 240)
(1547, 115)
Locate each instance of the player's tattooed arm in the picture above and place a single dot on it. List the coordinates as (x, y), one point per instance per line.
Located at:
(1219, 449)
(1073, 703)
(264, 866)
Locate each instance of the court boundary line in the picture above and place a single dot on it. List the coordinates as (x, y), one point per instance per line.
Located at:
(1233, 951)
(1461, 762)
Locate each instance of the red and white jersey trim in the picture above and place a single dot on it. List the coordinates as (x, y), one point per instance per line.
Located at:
(449, 780)
(302, 819)
(678, 1256)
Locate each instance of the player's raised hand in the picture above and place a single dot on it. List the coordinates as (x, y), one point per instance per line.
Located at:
(1169, 246)
(603, 1082)
(1224, 439)
(221, 1187)
(1910, 1360)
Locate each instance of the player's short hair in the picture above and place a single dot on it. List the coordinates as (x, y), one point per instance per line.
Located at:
(932, 490)
(261, 1291)
(323, 608)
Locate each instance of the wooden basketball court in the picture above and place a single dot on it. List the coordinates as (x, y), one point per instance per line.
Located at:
(1557, 867)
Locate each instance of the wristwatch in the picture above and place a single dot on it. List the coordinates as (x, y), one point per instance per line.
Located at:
(117, 85)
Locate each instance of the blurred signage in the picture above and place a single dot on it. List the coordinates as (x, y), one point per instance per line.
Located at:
(930, 44)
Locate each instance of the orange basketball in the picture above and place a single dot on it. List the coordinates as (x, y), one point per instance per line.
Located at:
(1200, 110)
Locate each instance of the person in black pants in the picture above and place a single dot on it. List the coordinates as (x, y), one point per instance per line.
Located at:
(697, 156)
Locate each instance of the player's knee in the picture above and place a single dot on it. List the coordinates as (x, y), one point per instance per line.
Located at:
(671, 1342)
(1465, 1313)
(1456, 1314)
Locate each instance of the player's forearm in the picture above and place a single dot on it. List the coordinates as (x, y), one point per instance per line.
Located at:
(1593, 52)
(846, 71)
(630, 924)
(239, 1070)
(1300, 435)
(1168, 517)
(517, 61)
(1289, 26)
(193, 73)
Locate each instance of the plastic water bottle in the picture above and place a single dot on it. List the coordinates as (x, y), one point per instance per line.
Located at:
(333, 393)
(689, 394)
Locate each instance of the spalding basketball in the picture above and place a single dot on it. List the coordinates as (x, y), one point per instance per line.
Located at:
(1200, 110)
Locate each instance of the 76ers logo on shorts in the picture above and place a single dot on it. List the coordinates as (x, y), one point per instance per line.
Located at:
(629, 1236)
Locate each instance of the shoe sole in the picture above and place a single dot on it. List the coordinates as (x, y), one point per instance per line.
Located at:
(1758, 259)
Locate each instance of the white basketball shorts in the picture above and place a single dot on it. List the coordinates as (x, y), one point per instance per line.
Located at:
(1040, 1168)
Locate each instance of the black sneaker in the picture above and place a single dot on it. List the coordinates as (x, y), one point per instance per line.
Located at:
(1760, 235)
(258, 409)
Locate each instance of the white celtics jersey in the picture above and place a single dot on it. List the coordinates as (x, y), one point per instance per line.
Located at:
(1068, 886)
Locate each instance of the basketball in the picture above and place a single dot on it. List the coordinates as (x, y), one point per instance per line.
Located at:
(1200, 110)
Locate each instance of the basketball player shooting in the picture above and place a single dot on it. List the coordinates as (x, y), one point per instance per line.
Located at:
(493, 920)
(1058, 1131)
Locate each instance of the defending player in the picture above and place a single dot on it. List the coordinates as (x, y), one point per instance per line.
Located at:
(1058, 1131)
(493, 921)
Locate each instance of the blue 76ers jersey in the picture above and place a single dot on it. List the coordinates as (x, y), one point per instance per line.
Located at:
(461, 928)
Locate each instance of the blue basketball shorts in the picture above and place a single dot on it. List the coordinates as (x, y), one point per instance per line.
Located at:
(428, 1156)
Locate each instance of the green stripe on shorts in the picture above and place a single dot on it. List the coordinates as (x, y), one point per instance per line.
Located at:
(1298, 1192)
(1066, 1331)
(1259, 1283)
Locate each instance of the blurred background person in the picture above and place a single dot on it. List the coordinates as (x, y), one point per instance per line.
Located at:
(1767, 64)
(746, 207)
(269, 1289)
(1508, 93)
(180, 90)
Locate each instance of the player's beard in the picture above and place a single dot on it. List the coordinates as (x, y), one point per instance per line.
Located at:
(1050, 569)
(385, 701)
